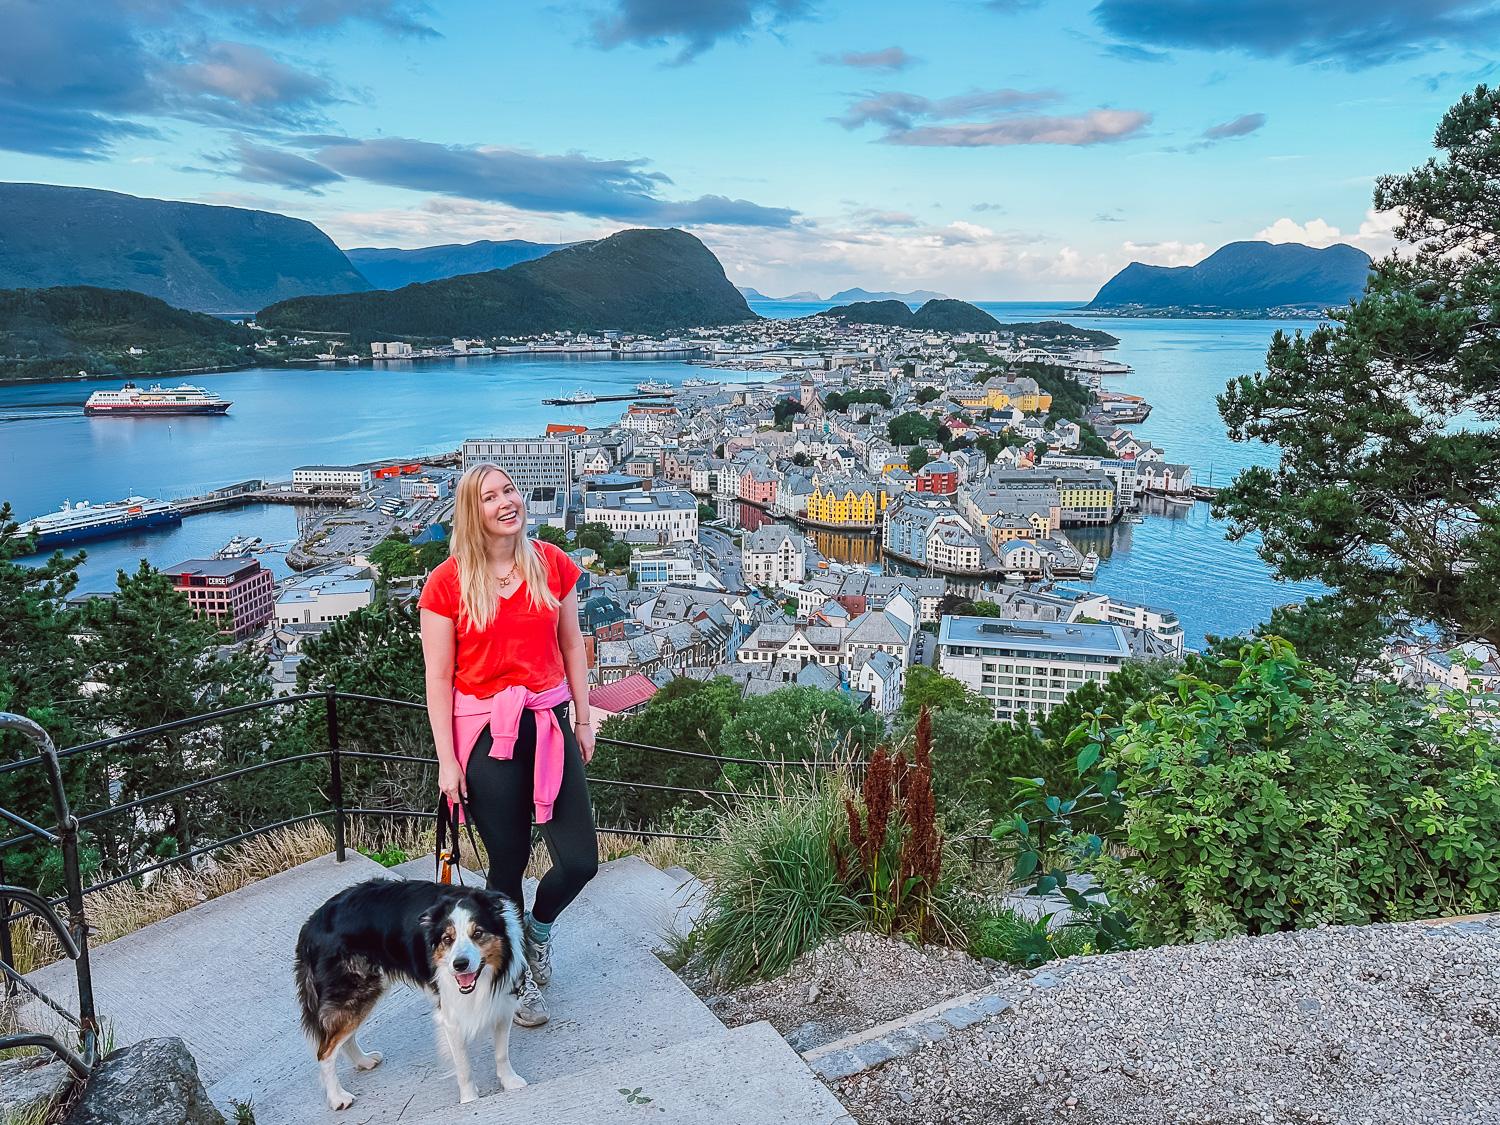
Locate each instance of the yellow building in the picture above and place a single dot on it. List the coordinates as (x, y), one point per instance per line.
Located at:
(1024, 394)
(847, 503)
(1086, 500)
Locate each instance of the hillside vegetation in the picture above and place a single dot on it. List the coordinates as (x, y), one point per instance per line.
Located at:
(1242, 276)
(63, 330)
(209, 259)
(633, 281)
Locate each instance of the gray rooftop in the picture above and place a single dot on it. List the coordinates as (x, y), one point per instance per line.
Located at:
(1005, 634)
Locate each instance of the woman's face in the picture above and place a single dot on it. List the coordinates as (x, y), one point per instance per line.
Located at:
(503, 506)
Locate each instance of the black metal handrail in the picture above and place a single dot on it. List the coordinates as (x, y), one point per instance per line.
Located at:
(73, 935)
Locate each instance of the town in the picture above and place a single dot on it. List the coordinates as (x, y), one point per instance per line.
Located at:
(959, 460)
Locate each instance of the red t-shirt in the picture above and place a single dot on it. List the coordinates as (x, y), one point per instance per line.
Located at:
(520, 644)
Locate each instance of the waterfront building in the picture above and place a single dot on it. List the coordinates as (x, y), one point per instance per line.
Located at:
(1083, 498)
(331, 478)
(531, 462)
(390, 348)
(1027, 668)
(1123, 474)
(758, 483)
(1164, 476)
(317, 599)
(953, 548)
(847, 501)
(772, 556)
(238, 594)
(671, 515)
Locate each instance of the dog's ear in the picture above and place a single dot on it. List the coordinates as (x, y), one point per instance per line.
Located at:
(498, 906)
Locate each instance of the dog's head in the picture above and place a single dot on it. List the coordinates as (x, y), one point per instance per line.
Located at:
(473, 934)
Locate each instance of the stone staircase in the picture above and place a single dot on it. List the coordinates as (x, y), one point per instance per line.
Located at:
(219, 976)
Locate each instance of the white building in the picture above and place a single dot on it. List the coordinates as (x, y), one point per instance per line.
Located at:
(319, 598)
(390, 348)
(655, 567)
(883, 678)
(772, 555)
(332, 477)
(531, 462)
(1028, 667)
(670, 514)
(648, 419)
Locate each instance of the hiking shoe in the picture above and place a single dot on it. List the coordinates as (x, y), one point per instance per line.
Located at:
(538, 959)
(532, 1010)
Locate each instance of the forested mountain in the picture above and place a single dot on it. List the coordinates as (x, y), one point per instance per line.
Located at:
(1242, 276)
(634, 281)
(81, 328)
(391, 268)
(941, 314)
(210, 259)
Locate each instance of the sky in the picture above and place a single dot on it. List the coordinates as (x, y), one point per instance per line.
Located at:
(989, 149)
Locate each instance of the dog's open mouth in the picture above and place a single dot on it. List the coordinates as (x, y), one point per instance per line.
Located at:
(466, 982)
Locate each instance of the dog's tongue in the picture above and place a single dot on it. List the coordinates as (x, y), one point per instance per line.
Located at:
(466, 980)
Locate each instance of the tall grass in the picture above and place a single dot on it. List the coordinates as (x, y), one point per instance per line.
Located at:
(774, 886)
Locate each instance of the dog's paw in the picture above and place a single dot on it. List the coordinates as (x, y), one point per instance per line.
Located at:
(465, 1096)
(512, 1082)
(341, 1100)
(369, 1061)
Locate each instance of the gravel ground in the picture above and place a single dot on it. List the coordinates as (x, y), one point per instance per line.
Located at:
(1372, 1024)
(851, 984)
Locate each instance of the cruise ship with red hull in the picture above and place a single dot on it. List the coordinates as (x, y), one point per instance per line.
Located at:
(132, 400)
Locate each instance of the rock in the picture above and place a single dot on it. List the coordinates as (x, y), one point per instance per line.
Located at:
(30, 1082)
(153, 1082)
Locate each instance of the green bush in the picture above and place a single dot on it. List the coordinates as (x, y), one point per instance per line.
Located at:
(1286, 797)
(1003, 934)
(775, 888)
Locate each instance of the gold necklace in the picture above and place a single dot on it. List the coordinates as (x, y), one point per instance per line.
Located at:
(505, 580)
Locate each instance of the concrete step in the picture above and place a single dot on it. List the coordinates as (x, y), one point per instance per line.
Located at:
(748, 1076)
(610, 998)
(218, 975)
(654, 906)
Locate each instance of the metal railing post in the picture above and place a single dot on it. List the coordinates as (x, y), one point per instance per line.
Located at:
(7, 946)
(78, 925)
(335, 773)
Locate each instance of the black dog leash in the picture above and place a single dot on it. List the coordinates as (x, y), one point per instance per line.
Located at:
(450, 859)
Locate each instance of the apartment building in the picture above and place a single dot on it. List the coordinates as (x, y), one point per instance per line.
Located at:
(1027, 668)
(531, 462)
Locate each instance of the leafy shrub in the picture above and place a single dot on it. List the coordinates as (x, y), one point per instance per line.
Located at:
(775, 888)
(1263, 793)
(1003, 934)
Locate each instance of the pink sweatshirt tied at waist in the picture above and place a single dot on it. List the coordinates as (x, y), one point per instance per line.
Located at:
(502, 713)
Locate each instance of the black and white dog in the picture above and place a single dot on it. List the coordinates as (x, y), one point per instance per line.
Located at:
(460, 944)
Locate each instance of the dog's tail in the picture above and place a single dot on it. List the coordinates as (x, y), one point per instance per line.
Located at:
(309, 999)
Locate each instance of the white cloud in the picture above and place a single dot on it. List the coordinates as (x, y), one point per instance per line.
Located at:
(1375, 236)
(1169, 253)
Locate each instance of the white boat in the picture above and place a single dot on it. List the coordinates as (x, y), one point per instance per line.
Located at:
(1090, 565)
(155, 399)
(696, 382)
(1178, 499)
(652, 387)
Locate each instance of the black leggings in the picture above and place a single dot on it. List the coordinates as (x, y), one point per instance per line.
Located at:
(500, 797)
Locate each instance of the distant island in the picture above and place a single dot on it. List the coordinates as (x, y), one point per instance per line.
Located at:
(45, 333)
(948, 315)
(847, 296)
(392, 268)
(632, 281)
(193, 256)
(1240, 279)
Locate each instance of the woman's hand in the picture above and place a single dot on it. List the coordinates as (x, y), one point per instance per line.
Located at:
(451, 782)
(585, 735)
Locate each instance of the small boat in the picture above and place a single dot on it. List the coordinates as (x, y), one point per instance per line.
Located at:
(580, 397)
(1135, 519)
(651, 387)
(1090, 565)
(695, 382)
(1180, 500)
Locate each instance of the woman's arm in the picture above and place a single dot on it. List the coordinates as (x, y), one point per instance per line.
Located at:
(437, 657)
(575, 663)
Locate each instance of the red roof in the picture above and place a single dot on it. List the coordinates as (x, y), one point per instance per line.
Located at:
(622, 695)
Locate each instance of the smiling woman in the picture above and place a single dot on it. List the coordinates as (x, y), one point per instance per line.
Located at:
(504, 655)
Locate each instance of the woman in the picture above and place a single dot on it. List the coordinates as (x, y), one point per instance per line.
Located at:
(504, 656)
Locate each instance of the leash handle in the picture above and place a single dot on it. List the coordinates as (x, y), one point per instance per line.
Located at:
(449, 848)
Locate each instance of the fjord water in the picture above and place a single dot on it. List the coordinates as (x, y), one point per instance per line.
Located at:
(285, 417)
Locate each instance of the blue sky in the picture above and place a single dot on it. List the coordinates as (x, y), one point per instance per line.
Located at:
(1007, 149)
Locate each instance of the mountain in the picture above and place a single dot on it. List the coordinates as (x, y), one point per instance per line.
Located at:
(212, 259)
(916, 296)
(947, 315)
(1242, 276)
(633, 281)
(895, 313)
(391, 268)
(757, 295)
(71, 328)
(941, 314)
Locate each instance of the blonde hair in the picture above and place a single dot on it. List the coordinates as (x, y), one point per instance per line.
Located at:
(478, 591)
